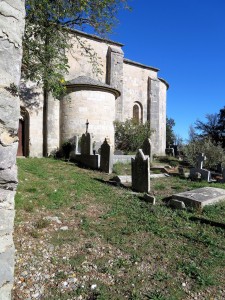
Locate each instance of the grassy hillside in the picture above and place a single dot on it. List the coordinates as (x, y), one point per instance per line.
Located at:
(80, 238)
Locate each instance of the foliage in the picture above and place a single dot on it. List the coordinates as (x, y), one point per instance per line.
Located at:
(47, 33)
(129, 135)
(214, 127)
(214, 153)
(170, 136)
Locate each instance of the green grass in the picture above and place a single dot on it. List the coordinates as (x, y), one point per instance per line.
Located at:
(149, 251)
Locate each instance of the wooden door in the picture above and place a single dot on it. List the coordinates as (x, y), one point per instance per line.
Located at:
(20, 151)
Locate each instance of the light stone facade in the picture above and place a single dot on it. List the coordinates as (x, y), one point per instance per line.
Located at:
(123, 89)
(11, 31)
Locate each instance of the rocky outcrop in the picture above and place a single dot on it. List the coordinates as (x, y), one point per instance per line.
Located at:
(11, 30)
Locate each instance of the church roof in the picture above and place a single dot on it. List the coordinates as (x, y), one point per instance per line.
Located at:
(91, 83)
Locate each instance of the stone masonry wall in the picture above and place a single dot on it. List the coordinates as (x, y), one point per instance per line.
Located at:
(11, 31)
(135, 88)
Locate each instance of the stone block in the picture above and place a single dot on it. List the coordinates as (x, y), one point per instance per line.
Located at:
(177, 204)
(5, 291)
(198, 198)
(7, 265)
(7, 199)
(205, 174)
(7, 221)
(149, 198)
(8, 179)
(9, 110)
(8, 156)
(6, 242)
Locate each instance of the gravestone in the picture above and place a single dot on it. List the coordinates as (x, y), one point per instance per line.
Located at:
(198, 198)
(76, 144)
(200, 159)
(86, 144)
(147, 148)
(169, 151)
(224, 175)
(219, 168)
(198, 173)
(140, 172)
(106, 159)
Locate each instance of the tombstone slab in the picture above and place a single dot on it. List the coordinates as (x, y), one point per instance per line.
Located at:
(198, 198)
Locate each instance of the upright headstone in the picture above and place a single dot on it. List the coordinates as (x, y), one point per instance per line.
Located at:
(86, 144)
(224, 175)
(219, 168)
(76, 144)
(200, 159)
(106, 159)
(140, 172)
(147, 148)
(12, 27)
(198, 172)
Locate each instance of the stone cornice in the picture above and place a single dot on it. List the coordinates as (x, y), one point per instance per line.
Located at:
(165, 82)
(89, 83)
(95, 37)
(134, 63)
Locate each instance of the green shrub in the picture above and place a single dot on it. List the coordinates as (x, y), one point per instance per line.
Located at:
(214, 153)
(130, 135)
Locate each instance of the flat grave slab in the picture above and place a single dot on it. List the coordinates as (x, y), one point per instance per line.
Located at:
(198, 198)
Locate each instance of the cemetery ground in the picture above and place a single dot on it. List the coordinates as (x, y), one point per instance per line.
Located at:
(78, 237)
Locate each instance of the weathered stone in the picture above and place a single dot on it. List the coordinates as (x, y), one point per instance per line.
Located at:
(198, 198)
(9, 112)
(200, 159)
(8, 156)
(205, 174)
(11, 30)
(6, 243)
(86, 144)
(106, 159)
(7, 199)
(8, 178)
(7, 221)
(140, 172)
(177, 204)
(7, 265)
(149, 198)
(147, 148)
(5, 291)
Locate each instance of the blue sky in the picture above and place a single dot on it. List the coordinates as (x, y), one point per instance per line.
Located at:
(185, 39)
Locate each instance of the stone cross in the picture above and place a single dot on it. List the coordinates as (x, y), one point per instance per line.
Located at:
(200, 159)
(87, 123)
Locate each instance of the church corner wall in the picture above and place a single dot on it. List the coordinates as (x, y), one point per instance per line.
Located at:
(12, 27)
(53, 124)
(114, 76)
(157, 114)
(31, 99)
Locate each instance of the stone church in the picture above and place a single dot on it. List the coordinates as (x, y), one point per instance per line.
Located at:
(123, 89)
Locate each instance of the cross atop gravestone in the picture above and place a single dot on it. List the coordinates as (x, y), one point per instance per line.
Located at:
(87, 124)
(200, 159)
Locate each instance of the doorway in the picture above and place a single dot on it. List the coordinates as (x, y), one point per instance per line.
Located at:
(23, 133)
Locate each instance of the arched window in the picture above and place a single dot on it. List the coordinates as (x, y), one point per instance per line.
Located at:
(137, 112)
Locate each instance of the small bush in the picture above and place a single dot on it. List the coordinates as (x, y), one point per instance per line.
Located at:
(129, 135)
(214, 153)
